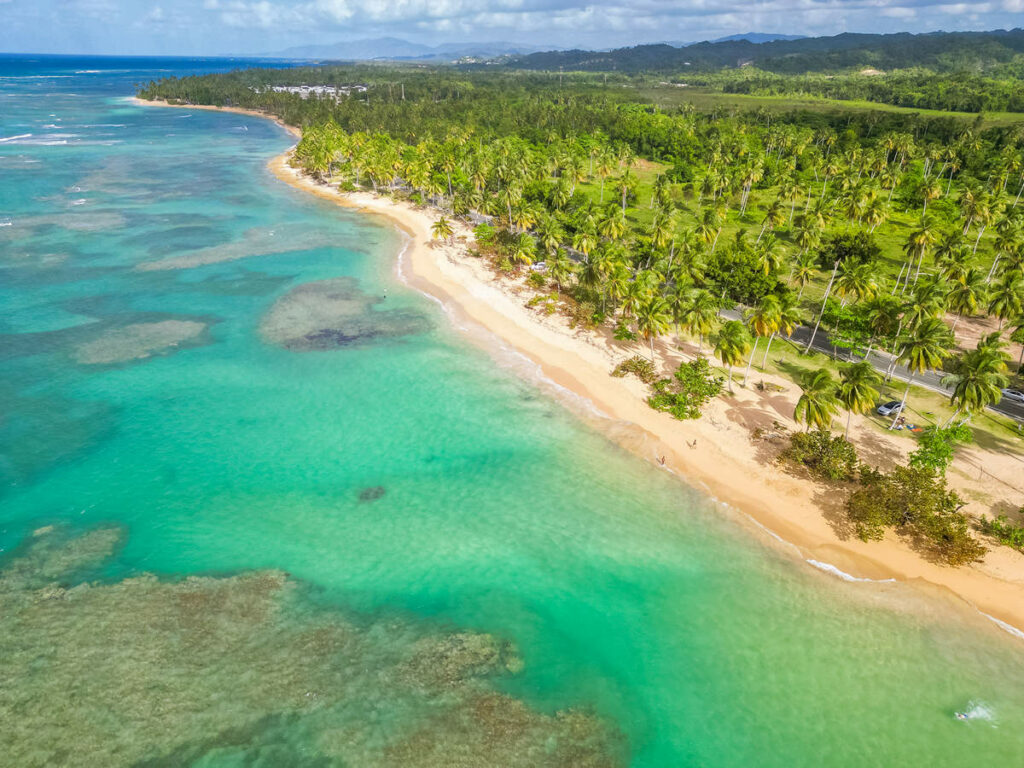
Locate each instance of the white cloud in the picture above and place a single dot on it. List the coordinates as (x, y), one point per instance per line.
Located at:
(899, 12)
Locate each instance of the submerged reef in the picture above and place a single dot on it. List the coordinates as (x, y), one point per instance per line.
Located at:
(245, 670)
(335, 313)
(137, 341)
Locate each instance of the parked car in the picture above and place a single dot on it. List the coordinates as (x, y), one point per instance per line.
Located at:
(1013, 394)
(891, 408)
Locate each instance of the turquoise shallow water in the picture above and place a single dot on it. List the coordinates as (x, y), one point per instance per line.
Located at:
(626, 592)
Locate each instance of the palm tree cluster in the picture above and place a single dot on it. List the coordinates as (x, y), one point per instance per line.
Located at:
(661, 263)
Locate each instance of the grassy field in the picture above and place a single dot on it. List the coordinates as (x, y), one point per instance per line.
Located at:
(706, 100)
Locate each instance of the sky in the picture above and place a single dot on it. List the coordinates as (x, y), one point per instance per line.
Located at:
(218, 27)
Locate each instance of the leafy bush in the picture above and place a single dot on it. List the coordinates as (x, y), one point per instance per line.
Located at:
(689, 389)
(828, 457)
(1003, 531)
(935, 447)
(641, 367)
(537, 280)
(739, 274)
(581, 314)
(916, 504)
(623, 332)
(853, 248)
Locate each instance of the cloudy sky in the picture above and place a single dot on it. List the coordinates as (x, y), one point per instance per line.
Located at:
(255, 26)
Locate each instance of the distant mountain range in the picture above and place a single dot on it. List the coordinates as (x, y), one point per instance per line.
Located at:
(943, 51)
(392, 48)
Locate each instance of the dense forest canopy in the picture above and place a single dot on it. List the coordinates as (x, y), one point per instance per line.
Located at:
(939, 51)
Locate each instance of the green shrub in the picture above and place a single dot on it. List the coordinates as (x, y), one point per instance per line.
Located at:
(935, 447)
(1003, 531)
(623, 332)
(828, 457)
(916, 504)
(641, 367)
(689, 389)
(536, 280)
(851, 247)
(581, 314)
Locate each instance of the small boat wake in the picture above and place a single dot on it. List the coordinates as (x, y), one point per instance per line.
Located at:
(976, 711)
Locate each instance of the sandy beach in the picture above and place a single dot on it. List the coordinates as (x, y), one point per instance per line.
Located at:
(717, 452)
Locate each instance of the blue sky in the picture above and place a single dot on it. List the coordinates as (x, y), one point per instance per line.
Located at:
(197, 27)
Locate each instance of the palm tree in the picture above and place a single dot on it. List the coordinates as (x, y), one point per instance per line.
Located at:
(442, 230)
(978, 381)
(701, 314)
(966, 294)
(858, 280)
(804, 270)
(560, 267)
(824, 301)
(858, 390)
(788, 317)
(924, 351)
(763, 321)
(732, 345)
(653, 319)
(817, 404)
(1007, 297)
(524, 249)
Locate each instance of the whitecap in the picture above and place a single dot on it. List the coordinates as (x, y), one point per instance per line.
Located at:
(829, 568)
(6, 223)
(81, 201)
(1004, 626)
(15, 138)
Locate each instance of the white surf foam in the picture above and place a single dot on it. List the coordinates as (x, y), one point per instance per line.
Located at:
(829, 568)
(1004, 626)
(15, 138)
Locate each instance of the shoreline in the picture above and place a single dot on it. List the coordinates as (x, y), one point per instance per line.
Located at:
(714, 453)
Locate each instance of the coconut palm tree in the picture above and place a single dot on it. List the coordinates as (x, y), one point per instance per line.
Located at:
(824, 301)
(818, 403)
(763, 322)
(924, 350)
(653, 319)
(966, 294)
(856, 280)
(732, 345)
(1006, 298)
(858, 390)
(788, 317)
(560, 267)
(442, 230)
(701, 314)
(804, 271)
(978, 381)
(524, 249)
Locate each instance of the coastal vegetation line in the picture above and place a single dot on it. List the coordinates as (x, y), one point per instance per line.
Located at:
(644, 222)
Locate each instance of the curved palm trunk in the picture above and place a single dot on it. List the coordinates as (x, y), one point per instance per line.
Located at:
(903, 402)
(730, 377)
(846, 434)
(828, 290)
(767, 349)
(746, 374)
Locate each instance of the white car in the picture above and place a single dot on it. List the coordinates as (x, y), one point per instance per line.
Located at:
(1013, 394)
(891, 408)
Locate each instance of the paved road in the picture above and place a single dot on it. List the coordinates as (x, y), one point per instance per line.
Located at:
(881, 361)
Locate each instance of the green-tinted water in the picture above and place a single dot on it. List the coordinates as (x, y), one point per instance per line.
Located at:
(400, 476)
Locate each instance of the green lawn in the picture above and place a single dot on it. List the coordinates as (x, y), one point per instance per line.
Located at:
(706, 100)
